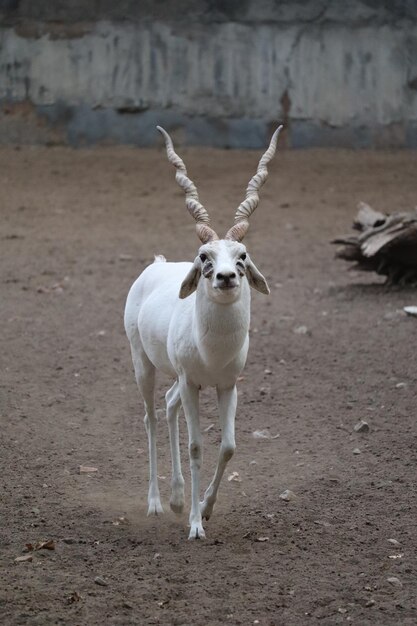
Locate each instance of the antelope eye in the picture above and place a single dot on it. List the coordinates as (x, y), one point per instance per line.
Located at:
(203, 257)
(243, 256)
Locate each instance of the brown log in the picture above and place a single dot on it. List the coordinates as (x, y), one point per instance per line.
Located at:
(385, 244)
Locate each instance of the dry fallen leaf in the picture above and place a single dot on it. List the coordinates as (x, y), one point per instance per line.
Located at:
(120, 520)
(396, 556)
(45, 545)
(41, 545)
(264, 434)
(74, 597)
(56, 287)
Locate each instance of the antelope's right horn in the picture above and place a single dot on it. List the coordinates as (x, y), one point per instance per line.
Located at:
(196, 209)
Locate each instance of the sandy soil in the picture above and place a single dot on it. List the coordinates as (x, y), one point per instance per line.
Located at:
(76, 230)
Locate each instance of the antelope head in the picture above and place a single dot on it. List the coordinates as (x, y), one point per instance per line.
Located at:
(222, 263)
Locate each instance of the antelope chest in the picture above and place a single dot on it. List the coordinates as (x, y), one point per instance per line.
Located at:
(216, 363)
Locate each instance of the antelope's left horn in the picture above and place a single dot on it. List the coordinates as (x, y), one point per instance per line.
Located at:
(247, 207)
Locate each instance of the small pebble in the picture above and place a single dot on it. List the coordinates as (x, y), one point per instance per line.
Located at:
(393, 580)
(301, 330)
(86, 469)
(288, 495)
(100, 581)
(361, 427)
(394, 542)
(356, 451)
(370, 603)
(24, 558)
(400, 385)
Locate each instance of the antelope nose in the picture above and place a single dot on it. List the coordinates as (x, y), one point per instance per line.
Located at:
(225, 276)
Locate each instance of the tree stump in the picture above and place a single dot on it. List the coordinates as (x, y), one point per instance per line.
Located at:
(385, 244)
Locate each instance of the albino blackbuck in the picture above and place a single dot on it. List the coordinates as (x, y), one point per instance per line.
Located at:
(191, 321)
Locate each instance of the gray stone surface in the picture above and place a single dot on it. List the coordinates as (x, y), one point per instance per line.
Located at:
(243, 11)
(335, 73)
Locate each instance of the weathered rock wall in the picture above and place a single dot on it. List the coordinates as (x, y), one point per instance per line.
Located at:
(216, 73)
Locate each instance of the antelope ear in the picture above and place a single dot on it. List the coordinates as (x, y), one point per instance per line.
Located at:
(255, 278)
(190, 282)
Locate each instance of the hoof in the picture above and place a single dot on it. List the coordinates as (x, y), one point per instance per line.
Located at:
(154, 506)
(176, 507)
(197, 532)
(206, 510)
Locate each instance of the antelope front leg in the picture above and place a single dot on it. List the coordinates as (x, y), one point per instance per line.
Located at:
(227, 399)
(190, 403)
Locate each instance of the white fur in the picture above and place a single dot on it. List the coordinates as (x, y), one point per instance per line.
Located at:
(200, 339)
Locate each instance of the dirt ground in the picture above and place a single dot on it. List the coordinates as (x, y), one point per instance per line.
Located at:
(77, 227)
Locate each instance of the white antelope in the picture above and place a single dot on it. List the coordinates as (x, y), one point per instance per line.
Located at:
(191, 321)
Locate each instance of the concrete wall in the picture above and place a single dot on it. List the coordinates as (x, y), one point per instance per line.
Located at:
(214, 73)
